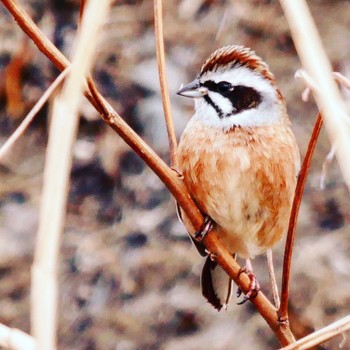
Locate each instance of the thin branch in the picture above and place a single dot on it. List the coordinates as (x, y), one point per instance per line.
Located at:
(167, 176)
(158, 24)
(321, 335)
(328, 160)
(283, 311)
(340, 78)
(81, 10)
(315, 61)
(30, 116)
(15, 339)
(310, 84)
(58, 162)
(272, 275)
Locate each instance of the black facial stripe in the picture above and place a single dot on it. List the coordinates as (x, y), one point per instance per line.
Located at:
(218, 110)
(241, 97)
(211, 85)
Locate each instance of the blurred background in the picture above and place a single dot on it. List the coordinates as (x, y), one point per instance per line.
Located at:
(129, 275)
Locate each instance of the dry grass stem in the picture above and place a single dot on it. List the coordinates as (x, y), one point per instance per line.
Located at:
(81, 10)
(321, 335)
(302, 74)
(328, 160)
(272, 276)
(62, 135)
(311, 85)
(30, 116)
(283, 311)
(316, 63)
(159, 34)
(341, 79)
(14, 339)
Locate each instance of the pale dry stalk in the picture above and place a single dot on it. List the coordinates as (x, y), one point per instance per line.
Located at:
(334, 329)
(62, 135)
(328, 99)
(33, 112)
(15, 339)
(315, 61)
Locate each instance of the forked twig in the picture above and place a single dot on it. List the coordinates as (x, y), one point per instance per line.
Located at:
(321, 335)
(283, 311)
(158, 26)
(30, 116)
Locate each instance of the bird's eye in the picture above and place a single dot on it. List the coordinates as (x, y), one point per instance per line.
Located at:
(223, 86)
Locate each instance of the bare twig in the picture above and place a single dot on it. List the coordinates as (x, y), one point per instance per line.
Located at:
(329, 158)
(301, 74)
(30, 116)
(81, 10)
(272, 277)
(340, 78)
(158, 24)
(311, 85)
(316, 63)
(321, 335)
(283, 311)
(12, 79)
(168, 177)
(14, 339)
(62, 135)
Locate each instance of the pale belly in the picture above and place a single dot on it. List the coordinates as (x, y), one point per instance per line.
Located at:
(247, 224)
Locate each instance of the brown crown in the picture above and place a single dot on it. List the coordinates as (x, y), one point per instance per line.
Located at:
(232, 56)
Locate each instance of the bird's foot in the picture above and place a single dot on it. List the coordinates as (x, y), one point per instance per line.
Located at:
(205, 229)
(254, 286)
(213, 257)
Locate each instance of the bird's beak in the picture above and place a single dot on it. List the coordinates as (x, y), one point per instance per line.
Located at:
(193, 89)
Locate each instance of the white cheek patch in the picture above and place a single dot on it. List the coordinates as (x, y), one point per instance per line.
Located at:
(222, 102)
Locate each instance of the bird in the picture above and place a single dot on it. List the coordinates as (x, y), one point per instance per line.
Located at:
(239, 161)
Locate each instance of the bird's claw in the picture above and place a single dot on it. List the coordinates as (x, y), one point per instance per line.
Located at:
(205, 229)
(213, 257)
(253, 289)
(178, 172)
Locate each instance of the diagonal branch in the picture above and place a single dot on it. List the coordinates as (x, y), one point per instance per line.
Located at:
(167, 175)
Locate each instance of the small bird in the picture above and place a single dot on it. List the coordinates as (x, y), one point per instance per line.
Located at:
(239, 160)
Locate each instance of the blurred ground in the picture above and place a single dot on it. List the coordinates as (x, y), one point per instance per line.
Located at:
(129, 274)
